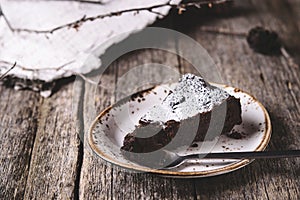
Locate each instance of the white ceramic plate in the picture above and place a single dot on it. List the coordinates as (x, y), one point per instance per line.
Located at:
(107, 133)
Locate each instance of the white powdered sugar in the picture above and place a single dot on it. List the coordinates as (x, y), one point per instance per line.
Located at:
(192, 95)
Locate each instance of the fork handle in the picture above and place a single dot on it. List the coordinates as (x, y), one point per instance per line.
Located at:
(248, 155)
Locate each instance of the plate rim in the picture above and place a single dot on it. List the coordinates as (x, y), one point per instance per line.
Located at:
(195, 174)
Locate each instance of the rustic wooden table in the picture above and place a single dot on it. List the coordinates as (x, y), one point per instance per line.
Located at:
(42, 157)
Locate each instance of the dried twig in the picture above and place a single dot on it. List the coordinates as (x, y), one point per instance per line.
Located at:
(6, 20)
(39, 69)
(3, 75)
(75, 24)
(55, 69)
(86, 1)
(84, 77)
(288, 58)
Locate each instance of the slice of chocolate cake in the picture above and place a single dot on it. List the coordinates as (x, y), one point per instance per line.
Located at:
(194, 111)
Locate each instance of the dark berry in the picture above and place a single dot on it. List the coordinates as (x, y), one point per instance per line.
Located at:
(264, 41)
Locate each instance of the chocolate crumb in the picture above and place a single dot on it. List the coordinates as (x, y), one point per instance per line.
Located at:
(236, 135)
(262, 77)
(194, 145)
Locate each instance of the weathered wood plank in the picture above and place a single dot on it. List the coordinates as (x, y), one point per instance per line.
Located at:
(101, 180)
(18, 124)
(46, 128)
(53, 166)
(288, 13)
(96, 174)
(132, 185)
(275, 84)
(255, 180)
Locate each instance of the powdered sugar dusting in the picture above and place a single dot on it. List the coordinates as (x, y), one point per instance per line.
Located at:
(191, 95)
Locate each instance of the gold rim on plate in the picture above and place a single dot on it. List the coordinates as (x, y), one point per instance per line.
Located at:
(228, 168)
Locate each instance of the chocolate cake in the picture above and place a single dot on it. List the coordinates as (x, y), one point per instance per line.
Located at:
(194, 111)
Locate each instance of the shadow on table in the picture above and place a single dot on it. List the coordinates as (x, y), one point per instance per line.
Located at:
(193, 17)
(251, 177)
(248, 180)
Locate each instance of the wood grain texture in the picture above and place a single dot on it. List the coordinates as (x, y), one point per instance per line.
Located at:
(96, 175)
(53, 166)
(100, 180)
(40, 151)
(18, 124)
(273, 82)
(134, 185)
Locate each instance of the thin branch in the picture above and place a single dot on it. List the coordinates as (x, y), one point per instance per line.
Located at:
(55, 69)
(6, 20)
(40, 69)
(158, 13)
(76, 24)
(83, 77)
(288, 58)
(5, 73)
(85, 1)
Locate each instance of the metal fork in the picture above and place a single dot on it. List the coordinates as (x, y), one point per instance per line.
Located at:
(178, 160)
